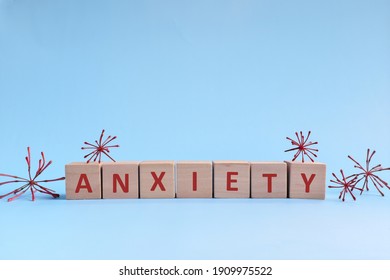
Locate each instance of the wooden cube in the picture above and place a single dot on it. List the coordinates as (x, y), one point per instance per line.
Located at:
(83, 181)
(194, 179)
(306, 180)
(157, 179)
(268, 179)
(231, 179)
(120, 179)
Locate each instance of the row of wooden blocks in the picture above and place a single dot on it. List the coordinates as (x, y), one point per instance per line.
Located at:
(195, 179)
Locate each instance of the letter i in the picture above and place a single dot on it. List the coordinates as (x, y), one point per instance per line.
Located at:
(194, 181)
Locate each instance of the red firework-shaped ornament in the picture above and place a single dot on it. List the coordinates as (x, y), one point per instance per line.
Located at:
(101, 147)
(31, 183)
(303, 147)
(347, 184)
(368, 174)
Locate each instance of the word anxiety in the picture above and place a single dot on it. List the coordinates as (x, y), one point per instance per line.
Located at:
(195, 179)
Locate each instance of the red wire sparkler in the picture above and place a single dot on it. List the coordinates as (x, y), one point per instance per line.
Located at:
(368, 174)
(100, 148)
(302, 147)
(31, 183)
(347, 184)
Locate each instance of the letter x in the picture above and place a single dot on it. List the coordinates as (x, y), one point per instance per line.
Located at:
(157, 181)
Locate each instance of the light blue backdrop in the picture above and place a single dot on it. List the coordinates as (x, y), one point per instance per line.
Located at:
(194, 80)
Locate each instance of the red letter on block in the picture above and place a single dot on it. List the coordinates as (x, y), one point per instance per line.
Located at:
(86, 185)
(307, 183)
(230, 181)
(269, 183)
(117, 179)
(157, 181)
(194, 181)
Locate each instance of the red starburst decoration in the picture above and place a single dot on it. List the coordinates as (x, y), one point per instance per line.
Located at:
(100, 148)
(303, 147)
(32, 183)
(367, 174)
(347, 184)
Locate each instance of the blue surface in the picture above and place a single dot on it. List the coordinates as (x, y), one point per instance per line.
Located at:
(196, 229)
(194, 80)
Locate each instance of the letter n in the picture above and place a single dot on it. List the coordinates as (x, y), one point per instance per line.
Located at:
(116, 179)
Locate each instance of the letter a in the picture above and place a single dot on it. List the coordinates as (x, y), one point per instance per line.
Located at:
(86, 185)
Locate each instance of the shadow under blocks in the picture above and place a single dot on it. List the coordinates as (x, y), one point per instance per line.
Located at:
(195, 179)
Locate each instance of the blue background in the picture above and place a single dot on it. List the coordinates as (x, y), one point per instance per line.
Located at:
(194, 80)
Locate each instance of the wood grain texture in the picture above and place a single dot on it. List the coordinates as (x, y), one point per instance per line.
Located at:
(120, 179)
(83, 181)
(194, 179)
(157, 179)
(268, 180)
(231, 179)
(306, 180)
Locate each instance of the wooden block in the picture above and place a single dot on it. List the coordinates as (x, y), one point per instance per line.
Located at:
(157, 179)
(194, 179)
(83, 181)
(120, 179)
(306, 180)
(231, 179)
(268, 180)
